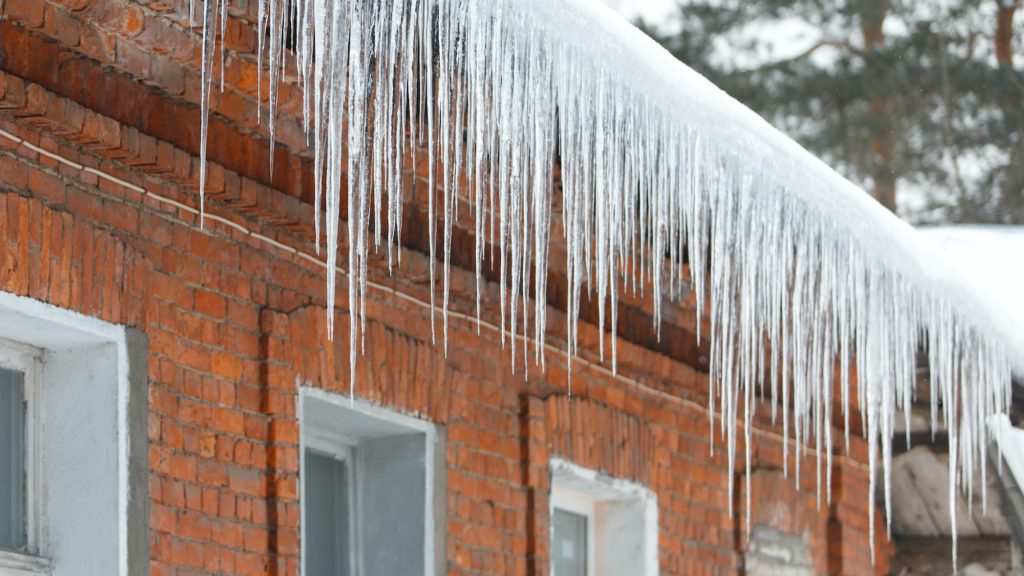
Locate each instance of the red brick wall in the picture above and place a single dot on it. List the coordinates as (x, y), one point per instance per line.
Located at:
(233, 324)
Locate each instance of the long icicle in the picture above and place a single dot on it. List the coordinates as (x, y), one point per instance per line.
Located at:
(665, 185)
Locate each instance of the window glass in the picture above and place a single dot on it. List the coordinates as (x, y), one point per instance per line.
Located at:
(12, 460)
(327, 483)
(570, 541)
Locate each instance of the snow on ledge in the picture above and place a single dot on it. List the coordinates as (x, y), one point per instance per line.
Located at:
(654, 161)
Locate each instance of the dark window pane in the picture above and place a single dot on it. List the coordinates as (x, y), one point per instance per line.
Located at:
(325, 491)
(12, 460)
(570, 544)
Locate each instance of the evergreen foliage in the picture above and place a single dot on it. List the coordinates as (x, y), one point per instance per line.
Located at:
(924, 97)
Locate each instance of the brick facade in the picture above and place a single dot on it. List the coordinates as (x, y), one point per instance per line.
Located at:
(235, 322)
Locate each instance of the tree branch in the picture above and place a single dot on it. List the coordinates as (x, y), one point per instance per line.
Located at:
(804, 55)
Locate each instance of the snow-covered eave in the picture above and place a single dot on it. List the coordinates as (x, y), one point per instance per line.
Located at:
(991, 256)
(655, 160)
(804, 175)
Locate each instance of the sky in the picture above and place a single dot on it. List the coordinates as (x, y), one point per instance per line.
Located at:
(778, 39)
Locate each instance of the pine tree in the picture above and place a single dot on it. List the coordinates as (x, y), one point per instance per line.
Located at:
(908, 96)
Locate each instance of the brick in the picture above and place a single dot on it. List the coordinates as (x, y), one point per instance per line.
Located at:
(255, 540)
(228, 421)
(173, 493)
(133, 20)
(245, 481)
(30, 13)
(170, 76)
(193, 497)
(207, 445)
(60, 26)
(193, 525)
(229, 534)
(212, 473)
(211, 502)
(163, 519)
(183, 467)
(210, 304)
(13, 173)
(227, 365)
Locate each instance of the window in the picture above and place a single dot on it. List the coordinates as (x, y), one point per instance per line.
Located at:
(18, 507)
(73, 444)
(329, 525)
(369, 489)
(573, 549)
(601, 526)
(13, 535)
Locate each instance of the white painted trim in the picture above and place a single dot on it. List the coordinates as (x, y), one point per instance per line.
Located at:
(35, 503)
(26, 359)
(299, 411)
(97, 329)
(78, 329)
(336, 445)
(16, 564)
(16, 355)
(375, 410)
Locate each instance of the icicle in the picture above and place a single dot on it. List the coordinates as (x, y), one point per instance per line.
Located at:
(666, 186)
(206, 83)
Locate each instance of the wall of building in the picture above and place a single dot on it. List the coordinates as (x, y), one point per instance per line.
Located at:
(235, 323)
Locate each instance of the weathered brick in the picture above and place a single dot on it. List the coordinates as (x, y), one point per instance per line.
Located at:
(31, 13)
(60, 26)
(210, 304)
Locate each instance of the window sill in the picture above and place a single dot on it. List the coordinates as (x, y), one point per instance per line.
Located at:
(21, 563)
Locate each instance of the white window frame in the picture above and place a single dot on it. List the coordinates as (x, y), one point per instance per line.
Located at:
(27, 360)
(589, 493)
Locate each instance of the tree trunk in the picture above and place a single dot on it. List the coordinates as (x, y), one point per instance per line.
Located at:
(881, 107)
(1011, 200)
(1007, 9)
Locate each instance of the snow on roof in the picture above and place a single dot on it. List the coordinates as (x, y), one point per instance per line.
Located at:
(993, 257)
(654, 160)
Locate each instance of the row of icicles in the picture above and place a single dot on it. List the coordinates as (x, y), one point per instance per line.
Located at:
(497, 92)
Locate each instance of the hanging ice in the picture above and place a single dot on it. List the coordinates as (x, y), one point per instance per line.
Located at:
(659, 171)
